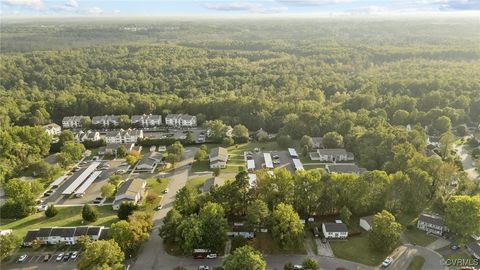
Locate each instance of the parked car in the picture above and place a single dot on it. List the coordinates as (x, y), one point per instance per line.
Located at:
(48, 193)
(276, 162)
(59, 257)
(98, 200)
(39, 201)
(66, 257)
(387, 262)
(95, 158)
(203, 267)
(454, 247)
(22, 258)
(160, 206)
(316, 232)
(166, 191)
(212, 256)
(276, 156)
(47, 257)
(42, 207)
(297, 267)
(74, 255)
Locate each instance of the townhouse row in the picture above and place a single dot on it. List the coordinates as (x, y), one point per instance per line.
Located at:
(64, 235)
(145, 120)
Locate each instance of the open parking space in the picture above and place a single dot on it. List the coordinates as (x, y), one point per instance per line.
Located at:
(37, 261)
(282, 157)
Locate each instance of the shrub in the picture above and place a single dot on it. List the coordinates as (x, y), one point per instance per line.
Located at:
(51, 211)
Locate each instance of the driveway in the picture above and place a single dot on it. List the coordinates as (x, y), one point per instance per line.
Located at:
(467, 162)
(324, 249)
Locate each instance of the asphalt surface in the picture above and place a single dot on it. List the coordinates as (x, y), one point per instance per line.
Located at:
(467, 162)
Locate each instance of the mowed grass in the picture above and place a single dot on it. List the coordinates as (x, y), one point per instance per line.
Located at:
(197, 182)
(201, 166)
(265, 244)
(66, 217)
(312, 167)
(156, 188)
(419, 237)
(357, 249)
(416, 263)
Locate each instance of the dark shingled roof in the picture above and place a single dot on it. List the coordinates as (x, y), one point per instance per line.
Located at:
(81, 231)
(31, 235)
(431, 219)
(93, 230)
(44, 232)
(68, 232)
(474, 248)
(335, 227)
(56, 232)
(104, 234)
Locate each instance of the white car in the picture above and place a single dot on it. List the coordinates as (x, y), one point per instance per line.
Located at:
(22, 258)
(297, 267)
(59, 257)
(74, 255)
(387, 262)
(212, 256)
(203, 267)
(166, 191)
(42, 207)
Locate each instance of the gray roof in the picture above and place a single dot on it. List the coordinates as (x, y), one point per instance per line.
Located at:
(57, 232)
(343, 168)
(44, 232)
(104, 234)
(431, 219)
(74, 118)
(219, 152)
(332, 151)
(93, 230)
(368, 219)
(335, 227)
(474, 247)
(131, 186)
(81, 231)
(31, 235)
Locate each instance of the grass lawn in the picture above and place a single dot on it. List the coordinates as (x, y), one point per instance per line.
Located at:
(197, 182)
(67, 216)
(265, 244)
(419, 237)
(233, 169)
(460, 255)
(357, 249)
(156, 189)
(200, 166)
(416, 263)
(311, 167)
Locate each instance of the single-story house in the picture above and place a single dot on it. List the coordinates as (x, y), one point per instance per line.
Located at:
(366, 223)
(131, 190)
(210, 182)
(332, 155)
(431, 224)
(474, 249)
(65, 235)
(344, 168)
(149, 161)
(337, 230)
(218, 157)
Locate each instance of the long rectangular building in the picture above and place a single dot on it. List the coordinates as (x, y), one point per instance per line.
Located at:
(81, 190)
(298, 164)
(58, 181)
(268, 160)
(80, 178)
(292, 152)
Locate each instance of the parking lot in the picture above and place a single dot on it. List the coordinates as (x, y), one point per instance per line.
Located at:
(36, 261)
(175, 133)
(283, 157)
(92, 192)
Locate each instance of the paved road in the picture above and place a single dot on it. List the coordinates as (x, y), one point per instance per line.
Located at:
(433, 260)
(467, 162)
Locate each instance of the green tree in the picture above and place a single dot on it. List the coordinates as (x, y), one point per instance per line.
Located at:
(332, 140)
(227, 141)
(126, 209)
(20, 199)
(51, 211)
(216, 130)
(284, 141)
(189, 138)
(186, 200)
(8, 244)
(257, 214)
(108, 190)
(287, 229)
(201, 155)
(115, 180)
(240, 134)
(385, 232)
(189, 234)
(400, 117)
(170, 224)
(442, 124)
(309, 264)
(306, 142)
(122, 151)
(122, 234)
(467, 209)
(102, 255)
(446, 143)
(89, 213)
(214, 226)
(245, 258)
(345, 215)
(66, 136)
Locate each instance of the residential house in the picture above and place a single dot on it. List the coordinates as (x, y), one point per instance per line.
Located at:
(337, 230)
(89, 135)
(73, 121)
(147, 120)
(344, 168)
(317, 142)
(149, 161)
(366, 223)
(218, 157)
(474, 249)
(65, 235)
(5, 232)
(106, 120)
(431, 224)
(53, 129)
(332, 155)
(111, 148)
(131, 190)
(124, 136)
(181, 120)
(433, 141)
(211, 182)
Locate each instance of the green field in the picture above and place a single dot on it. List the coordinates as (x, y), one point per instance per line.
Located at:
(419, 237)
(200, 166)
(265, 244)
(155, 188)
(67, 216)
(357, 249)
(416, 263)
(197, 182)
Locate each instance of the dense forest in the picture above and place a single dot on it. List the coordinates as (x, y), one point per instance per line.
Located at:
(360, 78)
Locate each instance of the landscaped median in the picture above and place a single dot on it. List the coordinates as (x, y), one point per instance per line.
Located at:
(416, 263)
(68, 216)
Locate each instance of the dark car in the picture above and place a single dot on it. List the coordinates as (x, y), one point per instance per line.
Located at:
(47, 257)
(66, 257)
(316, 232)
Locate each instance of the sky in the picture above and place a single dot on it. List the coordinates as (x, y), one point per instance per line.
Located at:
(219, 8)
